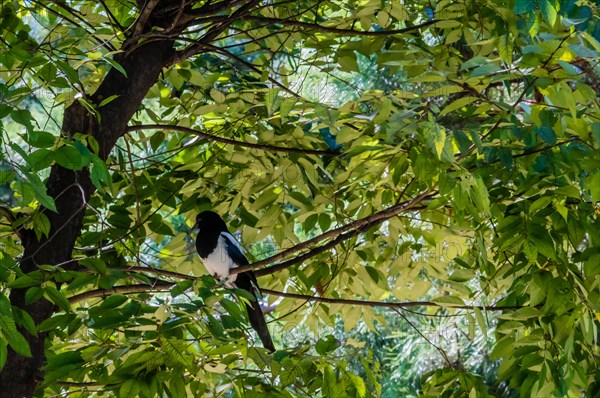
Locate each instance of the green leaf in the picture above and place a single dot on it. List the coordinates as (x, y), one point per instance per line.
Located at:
(107, 100)
(57, 298)
(33, 294)
(373, 273)
(359, 385)
(156, 140)
(539, 236)
(160, 227)
(480, 320)
(113, 301)
(293, 369)
(69, 157)
(449, 300)
(584, 52)
(330, 384)
(25, 320)
(40, 139)
(130, 388)
(504, 347)
(530, 251)
(58, 322)
(457, 104)
(13, 337)
(233, 309)
(64, 359)
(484, 70)
(41, 159)
(94, 264)
(23, 116)
(324, 222)
(505, 48)
(99, 174)
(462, 275)
(524, 6)
(326, 345)
(539, 204)
(25, 281)
(547, 134)
(68, 71)
(181, 287)
(41, 224)
(177, 387)
(6, 176)
(348, 63)
(549, 10)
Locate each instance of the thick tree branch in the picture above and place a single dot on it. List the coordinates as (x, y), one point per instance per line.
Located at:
(230, 141)
(213, 33)
(338, 31)
(143, 18)
(366, 222)
(303, 257)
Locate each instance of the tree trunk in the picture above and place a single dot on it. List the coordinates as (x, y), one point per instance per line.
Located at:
(71, 190)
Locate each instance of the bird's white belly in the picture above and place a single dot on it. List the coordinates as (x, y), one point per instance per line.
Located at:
(218, 263)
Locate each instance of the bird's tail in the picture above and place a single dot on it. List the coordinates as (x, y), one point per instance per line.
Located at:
(255, 314)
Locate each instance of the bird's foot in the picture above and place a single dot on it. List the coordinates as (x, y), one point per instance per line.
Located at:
(223, 282)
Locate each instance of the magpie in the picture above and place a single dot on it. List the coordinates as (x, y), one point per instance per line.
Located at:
(220, 252)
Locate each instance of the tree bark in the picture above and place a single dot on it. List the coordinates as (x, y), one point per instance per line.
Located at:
(71, 189)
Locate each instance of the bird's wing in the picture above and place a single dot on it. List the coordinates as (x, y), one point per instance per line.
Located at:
(234, 250)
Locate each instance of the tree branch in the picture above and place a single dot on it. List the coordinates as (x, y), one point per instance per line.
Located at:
(126, 289)
(230, 141)
(408, 304)
(166, 286)
(155, 271)
(348, 32)
(145, 13)
(299, 259)
(243, 62)
(363, 223)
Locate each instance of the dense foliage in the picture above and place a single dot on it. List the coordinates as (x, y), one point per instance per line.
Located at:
(403, 175)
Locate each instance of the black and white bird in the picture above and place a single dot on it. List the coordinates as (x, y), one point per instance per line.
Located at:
(220, 252)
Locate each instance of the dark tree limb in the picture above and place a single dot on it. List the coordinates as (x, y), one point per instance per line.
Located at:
(338, 31)
(126, 289)
(166, 286)
(385, 304)
(223, 140)
(357, 225)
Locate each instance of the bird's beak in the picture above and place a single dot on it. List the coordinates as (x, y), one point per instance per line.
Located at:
(195, 226)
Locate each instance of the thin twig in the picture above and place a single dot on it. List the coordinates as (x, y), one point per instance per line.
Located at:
(384, 304)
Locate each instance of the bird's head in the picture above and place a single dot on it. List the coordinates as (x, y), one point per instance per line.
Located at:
(209, 220)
